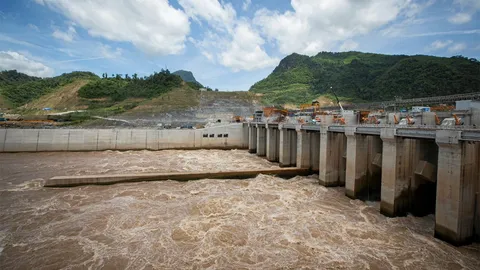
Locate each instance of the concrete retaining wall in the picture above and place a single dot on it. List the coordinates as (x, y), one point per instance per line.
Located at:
(33, 140)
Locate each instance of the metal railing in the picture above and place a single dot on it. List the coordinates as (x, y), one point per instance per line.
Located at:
(411, 101)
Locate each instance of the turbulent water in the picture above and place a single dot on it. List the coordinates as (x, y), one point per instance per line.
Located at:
(261, 223)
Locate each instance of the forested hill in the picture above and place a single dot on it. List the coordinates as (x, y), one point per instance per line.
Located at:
(366, 76)
(17, 88)
(187, 76)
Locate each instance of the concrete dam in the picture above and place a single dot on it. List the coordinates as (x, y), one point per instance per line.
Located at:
(414, 170)
(408, 184)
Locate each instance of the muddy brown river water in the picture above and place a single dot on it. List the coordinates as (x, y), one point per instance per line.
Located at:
(260, 223)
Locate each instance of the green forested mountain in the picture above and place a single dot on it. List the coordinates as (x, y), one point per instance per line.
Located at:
(119, 88)
(18, 88)
(367, 76)
(188, 77)
(185, 75)
(10, 77)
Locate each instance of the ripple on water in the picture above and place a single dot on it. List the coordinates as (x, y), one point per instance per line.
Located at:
(260, 223)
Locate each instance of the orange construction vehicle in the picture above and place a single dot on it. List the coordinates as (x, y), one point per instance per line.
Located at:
(364, 117)
(395, 119)
(452, 121)
(237, 119)
(339, 119)
(437, 120)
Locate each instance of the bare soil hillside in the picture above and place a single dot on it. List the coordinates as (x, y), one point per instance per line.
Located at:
(65, 98)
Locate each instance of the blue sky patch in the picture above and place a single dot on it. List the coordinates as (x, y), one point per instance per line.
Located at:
(226, 44)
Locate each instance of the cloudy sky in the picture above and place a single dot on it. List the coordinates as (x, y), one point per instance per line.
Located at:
(227, 44)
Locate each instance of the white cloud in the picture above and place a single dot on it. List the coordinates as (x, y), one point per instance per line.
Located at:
(67, 36)
(16, 41)
(314, 25)
(153, 26)
(209, 56)
(459, 32)
(33, 26)
(460, 18)
(215, 13)
(14, 60)
(211, 44)
(246, 4)
(410, 12)
(107, 51)
(412, 8)
(348, 45)
(465, 9)
(438, 44)
(81, 59)
(231, 42)
(457, 47)
(245, 52)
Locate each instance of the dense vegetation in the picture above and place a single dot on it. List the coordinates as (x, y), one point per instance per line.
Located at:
(366, 76)
(19, 88)
(188, 77)
(119, 88)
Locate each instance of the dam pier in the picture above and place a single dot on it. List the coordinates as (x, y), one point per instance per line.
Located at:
(417, 170)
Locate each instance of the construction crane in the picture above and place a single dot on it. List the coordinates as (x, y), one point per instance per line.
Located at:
(339, 120)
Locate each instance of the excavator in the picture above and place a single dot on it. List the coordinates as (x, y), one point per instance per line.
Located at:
(452, 121)
(437, 120)
(407, 121)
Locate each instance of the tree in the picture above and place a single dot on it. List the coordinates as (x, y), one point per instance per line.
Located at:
(216, 89)
(135, 76)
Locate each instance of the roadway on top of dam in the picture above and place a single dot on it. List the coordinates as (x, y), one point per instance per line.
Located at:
(466, 133)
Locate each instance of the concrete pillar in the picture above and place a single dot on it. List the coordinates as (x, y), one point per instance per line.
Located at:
(456, 184)
(315, 151)
(252, 139)
(293, 147)
(374, 167)
(398, 166)
(332, 162)
(363, 172)
(357, 163)
(303, 149)
(477, 199)
(245, 136)
(423, 187)
(261, 141)
(284, 147)
(272, 144)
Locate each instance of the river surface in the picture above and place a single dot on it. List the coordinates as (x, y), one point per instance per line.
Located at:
(260, 223)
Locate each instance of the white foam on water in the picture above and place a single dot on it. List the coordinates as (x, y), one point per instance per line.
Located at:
(3, 235)
(260, 223)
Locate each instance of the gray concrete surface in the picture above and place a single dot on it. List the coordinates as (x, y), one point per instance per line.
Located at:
(69, 181)
(40, 140)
